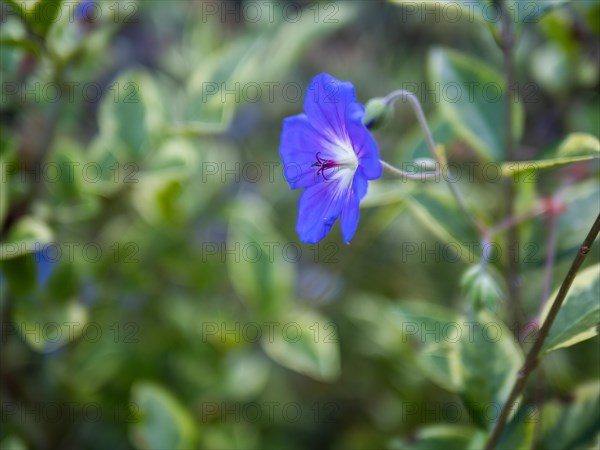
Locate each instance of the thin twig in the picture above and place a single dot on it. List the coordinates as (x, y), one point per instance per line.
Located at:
(533, 355)
(512, 221)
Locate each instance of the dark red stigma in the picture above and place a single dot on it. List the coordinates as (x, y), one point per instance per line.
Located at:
(323, 165)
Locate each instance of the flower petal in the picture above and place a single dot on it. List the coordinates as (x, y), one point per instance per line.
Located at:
(326, 104)
(300, 143)
(363, 143)
(350, 211)
(318, 209)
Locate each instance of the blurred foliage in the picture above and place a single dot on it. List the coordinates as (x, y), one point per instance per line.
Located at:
(153, 290)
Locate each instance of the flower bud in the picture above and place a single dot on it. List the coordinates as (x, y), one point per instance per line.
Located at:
(377, 113)
(482, 286)
(426, 164)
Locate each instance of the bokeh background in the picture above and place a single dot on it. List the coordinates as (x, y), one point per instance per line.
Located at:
(154, 293)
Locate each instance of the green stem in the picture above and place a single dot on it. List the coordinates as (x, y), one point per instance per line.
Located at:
(420, 176)
(512, 273)
(532, 357)
(416, 106)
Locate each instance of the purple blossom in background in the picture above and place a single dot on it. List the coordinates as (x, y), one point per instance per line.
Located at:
(85, 11)
(44, 267)
(330, 152)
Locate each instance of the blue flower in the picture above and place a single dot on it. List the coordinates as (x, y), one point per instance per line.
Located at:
(330, 152)
(85, 11)
(45, 266)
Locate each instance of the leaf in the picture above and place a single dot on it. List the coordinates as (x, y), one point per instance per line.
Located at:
(574, 223)
(425, 330)
(26, 236)
(156, 190)
(488, 11)
(483, 287)
(131, 115)
(23, 44)
(306, 342)
(576, 147)
(490, 359)
(43, 15)
(20, 273)
(579, 144)
(579, 315)
(415, 145)
(259, 261)
(473, 98)
(441, 437)
(18, 6)
(574, 425)
(518, 433)
(162, 422)
(12, 442)
(522, 167)
(47, 326)
(383, 193)
(243, 70)
(438, 212)
(372, 315)
(64, 35)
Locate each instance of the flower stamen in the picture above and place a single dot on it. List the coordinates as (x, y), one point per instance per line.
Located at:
(323, 165)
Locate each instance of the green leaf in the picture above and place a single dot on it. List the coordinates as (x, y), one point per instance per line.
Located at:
(43, 15)
(12, 442)
(415, 145)
(473, 101)
(23, 44)
(306, 342)
(131, 115)
(579, 315)
(482, 285)
(243, 70)
(576, 147)
(490, 360)
(488, 11)
(46, 325)
(157, 189)
(383, 192)
(526, 167)
(440, 361)
(260, 262)
(64, 35)
(95, 361)
(20, 273)
(441, 437)
(18, 6)
(579, 144)
(420, 328)
(576, 221)
(438, 211)
(518, 434)
(230, 434)
(26, 236)
(574, 425)
(162, 421)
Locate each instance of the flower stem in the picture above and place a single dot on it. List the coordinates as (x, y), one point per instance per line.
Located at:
(416, 106)
(512, 273)
(533, 355)
(421, 176)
